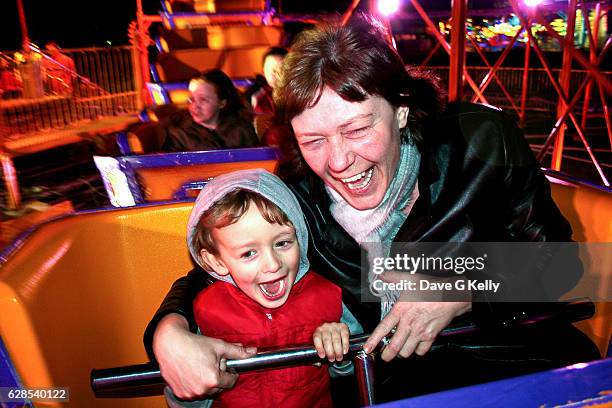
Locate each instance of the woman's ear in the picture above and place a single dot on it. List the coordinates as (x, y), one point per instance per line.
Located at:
(222, 103)
(401, 114)
(214, 262)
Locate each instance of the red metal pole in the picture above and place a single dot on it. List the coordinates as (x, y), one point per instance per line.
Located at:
(431, 54)
(567, 112)
(525, 82)
(564, 81)
(25, 37)
(606, 114)
(491, 74)
(457, 55)
(593, 71)
(501, 85)
(141, 46)
(593, 35)
(419, 9)
(349, 12)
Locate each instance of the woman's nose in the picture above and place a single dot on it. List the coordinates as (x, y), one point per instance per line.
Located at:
(340, 156)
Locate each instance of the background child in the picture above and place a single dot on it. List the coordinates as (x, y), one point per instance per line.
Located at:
(247, 230)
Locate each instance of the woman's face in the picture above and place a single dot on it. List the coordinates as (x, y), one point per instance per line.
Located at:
(352, 146)
(271, 68)
(204, 104)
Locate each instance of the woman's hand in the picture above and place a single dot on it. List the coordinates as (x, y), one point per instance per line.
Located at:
(332, 340)
(416, 323)
(193, 365)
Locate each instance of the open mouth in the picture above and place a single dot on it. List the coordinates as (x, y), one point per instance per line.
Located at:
(275, 289)
(358, 181)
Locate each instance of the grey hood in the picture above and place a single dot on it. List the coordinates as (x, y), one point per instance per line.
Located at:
(258, 181)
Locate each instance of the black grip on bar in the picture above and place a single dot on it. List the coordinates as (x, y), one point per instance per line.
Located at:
(145, 379)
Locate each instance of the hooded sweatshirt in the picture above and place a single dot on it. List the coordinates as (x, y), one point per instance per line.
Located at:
(223, 311)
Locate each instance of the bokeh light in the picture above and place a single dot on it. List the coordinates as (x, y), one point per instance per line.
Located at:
(387, 7)
(532, 3)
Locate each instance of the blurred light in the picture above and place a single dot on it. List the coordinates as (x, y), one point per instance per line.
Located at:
(109, 42)
(532, 3)
(387, 7)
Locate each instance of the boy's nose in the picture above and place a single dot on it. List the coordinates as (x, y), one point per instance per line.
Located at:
(272, 262)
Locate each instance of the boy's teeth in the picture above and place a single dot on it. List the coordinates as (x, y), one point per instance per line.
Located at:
(272, 288)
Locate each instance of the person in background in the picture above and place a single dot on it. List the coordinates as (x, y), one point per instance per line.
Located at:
(59, 70)
(10, 84)
(260, 96)
(216, 118)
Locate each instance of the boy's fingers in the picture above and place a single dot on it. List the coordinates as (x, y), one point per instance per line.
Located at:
(337, 342)
(345, 340)
(319, 345)
(329, 346)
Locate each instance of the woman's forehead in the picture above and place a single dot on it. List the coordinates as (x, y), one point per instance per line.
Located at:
(332, 111)
(201, 87)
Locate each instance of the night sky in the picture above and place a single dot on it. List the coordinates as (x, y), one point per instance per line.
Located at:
(96, 21)
(70, 23)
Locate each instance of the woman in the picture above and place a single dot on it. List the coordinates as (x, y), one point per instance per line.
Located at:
(216, 118)
(377, 157)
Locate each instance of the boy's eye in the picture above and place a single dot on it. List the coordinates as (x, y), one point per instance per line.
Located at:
(284, 243)
(248, 254)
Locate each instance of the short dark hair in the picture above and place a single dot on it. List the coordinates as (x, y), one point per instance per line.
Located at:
(355, 61)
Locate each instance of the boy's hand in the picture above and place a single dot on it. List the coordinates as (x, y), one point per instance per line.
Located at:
(332, 340)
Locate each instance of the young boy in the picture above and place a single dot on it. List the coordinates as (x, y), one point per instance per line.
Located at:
(247, 230)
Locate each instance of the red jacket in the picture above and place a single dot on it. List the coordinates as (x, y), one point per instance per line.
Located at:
(223, 311)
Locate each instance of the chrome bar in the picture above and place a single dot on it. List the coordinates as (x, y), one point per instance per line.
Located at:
(139, 380)
(364, 370)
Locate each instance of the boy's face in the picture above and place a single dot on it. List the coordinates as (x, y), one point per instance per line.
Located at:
(262, 258)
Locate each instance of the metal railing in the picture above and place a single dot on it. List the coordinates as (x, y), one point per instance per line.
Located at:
(542, 94)
(146, 380)
(98, 83)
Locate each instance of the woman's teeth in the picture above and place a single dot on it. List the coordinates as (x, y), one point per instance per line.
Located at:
(359, 181)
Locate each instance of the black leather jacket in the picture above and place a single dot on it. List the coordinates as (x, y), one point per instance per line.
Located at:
(478, 181)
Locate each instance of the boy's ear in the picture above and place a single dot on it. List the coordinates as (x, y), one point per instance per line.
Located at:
(214, 262)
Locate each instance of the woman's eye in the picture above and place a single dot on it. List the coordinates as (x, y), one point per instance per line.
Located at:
(312, 143)
(358, 132)
(248, 254)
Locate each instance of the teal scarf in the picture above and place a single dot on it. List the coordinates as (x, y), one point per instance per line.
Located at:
(380, 225)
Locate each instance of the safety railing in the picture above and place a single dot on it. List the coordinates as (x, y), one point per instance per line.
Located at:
(541, 93)
(43, 94)
(146, 380)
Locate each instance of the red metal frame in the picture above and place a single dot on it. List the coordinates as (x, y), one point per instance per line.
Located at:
(491, 74)
(457, 57)
(525, 86)
(419, 9)
(566, 107)
(564, 81)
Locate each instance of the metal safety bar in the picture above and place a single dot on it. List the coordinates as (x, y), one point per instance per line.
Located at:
(140, 380)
